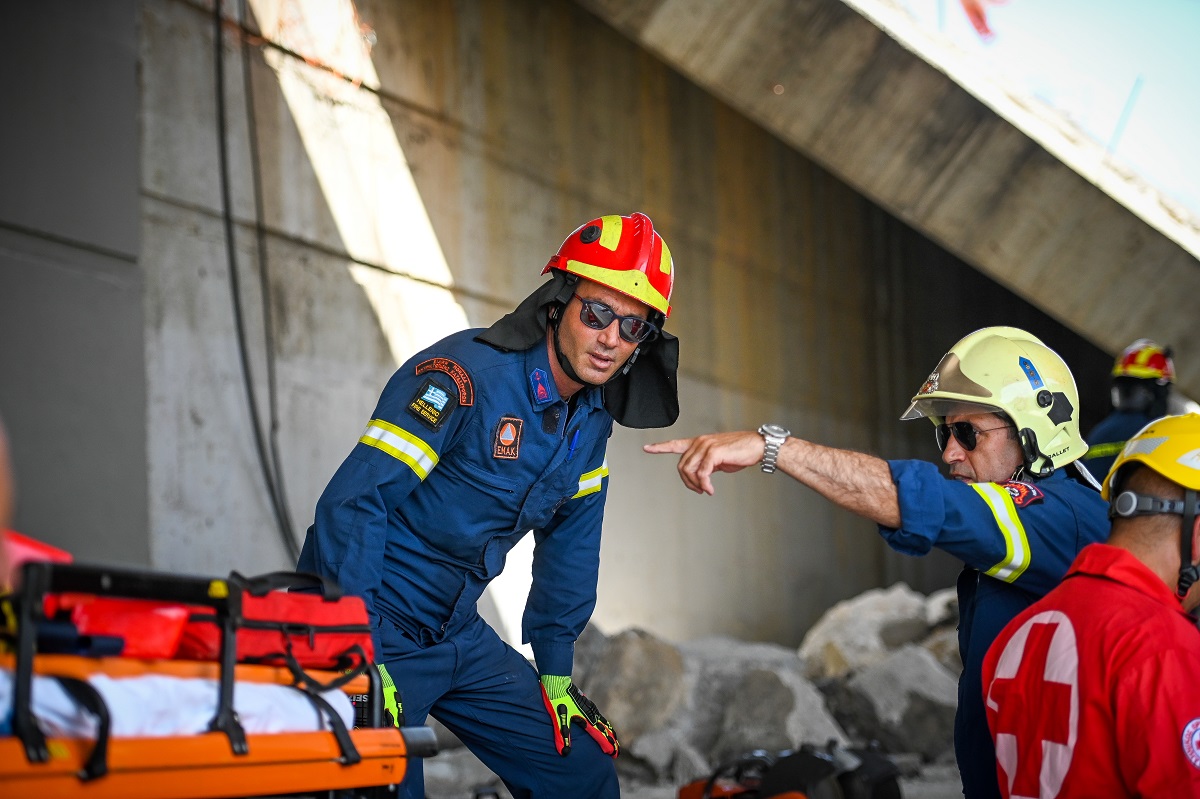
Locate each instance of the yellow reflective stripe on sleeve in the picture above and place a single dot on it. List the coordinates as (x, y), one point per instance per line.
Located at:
(401, 445)
(590, 482)
(1016, 544)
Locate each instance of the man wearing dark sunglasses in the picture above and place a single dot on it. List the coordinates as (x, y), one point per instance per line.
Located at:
(477, 440)
(1017, 509)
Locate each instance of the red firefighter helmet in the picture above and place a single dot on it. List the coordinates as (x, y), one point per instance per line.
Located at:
(1146, 360)
(624, 253)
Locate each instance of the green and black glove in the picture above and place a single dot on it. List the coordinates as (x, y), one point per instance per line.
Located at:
(393, 709)
(565, 703)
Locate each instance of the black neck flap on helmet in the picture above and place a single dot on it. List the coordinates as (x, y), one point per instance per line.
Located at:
(644, 393)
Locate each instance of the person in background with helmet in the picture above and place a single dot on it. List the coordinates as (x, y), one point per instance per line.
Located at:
(1006, 418)
(1141, 388)
(477, 440)
(1093, 690)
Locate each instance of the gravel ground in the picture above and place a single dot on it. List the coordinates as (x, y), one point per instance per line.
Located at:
(456, 774)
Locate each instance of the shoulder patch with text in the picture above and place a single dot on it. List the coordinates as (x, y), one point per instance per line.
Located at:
(432, 404)
(1191, 742)
(506, 443)
(1023, 494)
(466, 389)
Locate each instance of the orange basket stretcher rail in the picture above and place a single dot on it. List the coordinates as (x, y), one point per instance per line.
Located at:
(223, 762)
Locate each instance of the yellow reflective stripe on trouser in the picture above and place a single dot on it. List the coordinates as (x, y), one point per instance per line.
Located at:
(1016, 545)
(590, 482)
(400, 444)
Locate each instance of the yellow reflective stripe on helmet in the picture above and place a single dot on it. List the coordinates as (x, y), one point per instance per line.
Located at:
(664, 263)
(401, 445)
(591, 482)
(630, 281)
(610, 232)
(1016, 544)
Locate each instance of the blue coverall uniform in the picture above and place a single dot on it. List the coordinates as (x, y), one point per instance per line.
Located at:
(1107, 439)
(469, 448)
(1016, 541)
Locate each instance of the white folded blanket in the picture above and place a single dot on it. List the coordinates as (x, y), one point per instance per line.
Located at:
(160, 706)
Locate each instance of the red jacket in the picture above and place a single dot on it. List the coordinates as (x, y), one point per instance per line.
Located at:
(1094, 690)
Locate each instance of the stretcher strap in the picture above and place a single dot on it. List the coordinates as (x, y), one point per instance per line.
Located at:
(87, 696)
(310, 685)
(350, 755)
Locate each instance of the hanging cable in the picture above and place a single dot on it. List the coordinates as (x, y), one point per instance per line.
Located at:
(264, 277)
(274, 487)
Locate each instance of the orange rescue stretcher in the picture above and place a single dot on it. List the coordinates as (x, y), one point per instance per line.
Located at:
(365, 762)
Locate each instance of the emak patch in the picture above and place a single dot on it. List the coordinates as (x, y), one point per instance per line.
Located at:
(539, 382)
(1023, 494)
(506, 443)
(432, 404)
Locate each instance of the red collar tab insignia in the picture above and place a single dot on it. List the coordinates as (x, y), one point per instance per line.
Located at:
(930, 385)
(539, 381)
(506, 443)
(1023, 494)
(466, 389)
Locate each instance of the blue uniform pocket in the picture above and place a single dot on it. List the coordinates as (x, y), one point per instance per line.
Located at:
(461, 507)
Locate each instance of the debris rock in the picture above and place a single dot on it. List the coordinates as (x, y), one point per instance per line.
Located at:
(861, 631)
(638, 680)
(941, 608)
(773, 710)
(906, 702)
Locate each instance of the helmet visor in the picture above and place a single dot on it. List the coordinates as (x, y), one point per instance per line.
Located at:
(948, 391)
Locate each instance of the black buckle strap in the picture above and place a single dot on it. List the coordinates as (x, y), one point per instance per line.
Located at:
(350, 754)
(86, 695)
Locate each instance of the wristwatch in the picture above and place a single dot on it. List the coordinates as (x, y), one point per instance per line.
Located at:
(773, 436)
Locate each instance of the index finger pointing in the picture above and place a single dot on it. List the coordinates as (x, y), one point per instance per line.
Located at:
(678, 446)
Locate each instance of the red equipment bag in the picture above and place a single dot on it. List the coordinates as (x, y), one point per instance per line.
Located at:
(150, 629)
(287, 628)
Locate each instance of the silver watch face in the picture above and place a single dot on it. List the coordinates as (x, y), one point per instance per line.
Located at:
(775, 431)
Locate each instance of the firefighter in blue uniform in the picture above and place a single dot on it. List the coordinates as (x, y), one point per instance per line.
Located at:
(479, 439)
(1140, 393)
(1016, 509)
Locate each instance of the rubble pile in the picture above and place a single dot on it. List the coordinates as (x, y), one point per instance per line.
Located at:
(882, 666)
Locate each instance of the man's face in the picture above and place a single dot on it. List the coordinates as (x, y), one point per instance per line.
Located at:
(996, 455)
(596, 355)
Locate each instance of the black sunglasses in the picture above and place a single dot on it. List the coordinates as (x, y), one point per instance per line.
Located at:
(598, 316)
(964, 432)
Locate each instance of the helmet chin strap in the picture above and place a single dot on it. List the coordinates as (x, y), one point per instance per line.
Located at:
(1188, 571)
